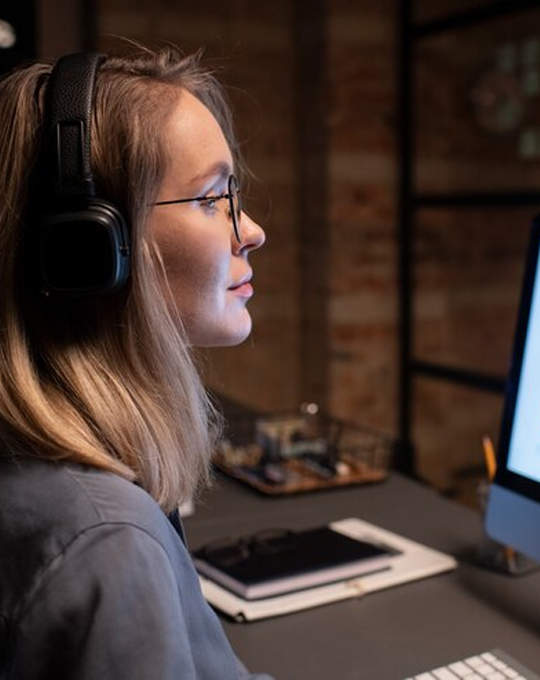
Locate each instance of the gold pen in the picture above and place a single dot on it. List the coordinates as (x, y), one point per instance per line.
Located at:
(489, 457)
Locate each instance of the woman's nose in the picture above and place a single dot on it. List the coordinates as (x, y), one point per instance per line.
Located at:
(252, 234)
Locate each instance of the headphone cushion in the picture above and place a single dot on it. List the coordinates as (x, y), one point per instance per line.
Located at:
(85, 250)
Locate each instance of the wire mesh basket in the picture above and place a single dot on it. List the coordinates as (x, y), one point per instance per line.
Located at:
(302, 451)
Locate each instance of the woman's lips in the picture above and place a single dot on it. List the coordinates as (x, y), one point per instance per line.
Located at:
(243, 289)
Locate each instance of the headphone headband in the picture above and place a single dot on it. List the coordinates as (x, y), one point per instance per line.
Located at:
(83, 241)
(67, 125)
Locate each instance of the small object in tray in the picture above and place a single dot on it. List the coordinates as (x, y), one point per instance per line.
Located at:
(303, 451)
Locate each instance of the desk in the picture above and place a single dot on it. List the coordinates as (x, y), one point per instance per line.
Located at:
(389, 634)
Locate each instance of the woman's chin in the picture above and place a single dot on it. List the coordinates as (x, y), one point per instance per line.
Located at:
(225, 337)
(236, 338)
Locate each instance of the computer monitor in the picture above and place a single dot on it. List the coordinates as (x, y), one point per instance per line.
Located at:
(513, 509)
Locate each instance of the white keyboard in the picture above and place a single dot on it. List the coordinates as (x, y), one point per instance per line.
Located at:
(493, 665)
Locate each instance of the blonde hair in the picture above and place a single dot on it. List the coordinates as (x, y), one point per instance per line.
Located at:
(109, 383)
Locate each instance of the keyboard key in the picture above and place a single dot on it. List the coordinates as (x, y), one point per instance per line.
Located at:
(444, 673)
(460, 669)
(484, 669)
(499, 664)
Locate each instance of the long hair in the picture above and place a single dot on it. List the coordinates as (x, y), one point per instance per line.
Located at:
(109, 383)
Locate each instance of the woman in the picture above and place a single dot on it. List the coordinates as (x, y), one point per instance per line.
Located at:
(104, 425)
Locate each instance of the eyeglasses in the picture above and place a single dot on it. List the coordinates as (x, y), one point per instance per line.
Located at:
(232, 195)
(227, 552)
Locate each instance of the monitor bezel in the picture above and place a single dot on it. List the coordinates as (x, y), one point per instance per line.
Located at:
(505, 477)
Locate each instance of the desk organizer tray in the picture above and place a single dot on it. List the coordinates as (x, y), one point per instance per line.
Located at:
(303, 451)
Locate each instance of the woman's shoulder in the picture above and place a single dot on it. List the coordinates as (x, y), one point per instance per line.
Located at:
(50, 503)
(59, 493)
(46, 509)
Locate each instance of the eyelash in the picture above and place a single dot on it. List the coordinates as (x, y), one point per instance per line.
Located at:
(209, 205)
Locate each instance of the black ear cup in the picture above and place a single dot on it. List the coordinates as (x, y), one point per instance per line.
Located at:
(83, 251)
(83, 240)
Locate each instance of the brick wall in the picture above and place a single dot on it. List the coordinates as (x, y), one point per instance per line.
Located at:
(362, 293)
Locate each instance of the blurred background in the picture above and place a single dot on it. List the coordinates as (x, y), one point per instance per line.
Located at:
(395, 150)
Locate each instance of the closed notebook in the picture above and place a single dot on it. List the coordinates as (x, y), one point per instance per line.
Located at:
(276, 563)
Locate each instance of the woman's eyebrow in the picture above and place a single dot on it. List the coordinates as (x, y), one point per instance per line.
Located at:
(218, 171)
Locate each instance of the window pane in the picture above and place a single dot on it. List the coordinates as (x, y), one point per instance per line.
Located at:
(477, 107)
(468, 267)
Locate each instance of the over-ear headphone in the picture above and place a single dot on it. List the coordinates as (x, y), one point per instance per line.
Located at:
(83, 241)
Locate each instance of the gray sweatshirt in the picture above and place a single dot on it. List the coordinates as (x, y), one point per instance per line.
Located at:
(97, 583)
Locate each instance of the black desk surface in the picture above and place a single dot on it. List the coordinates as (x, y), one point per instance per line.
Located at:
(387, 635)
